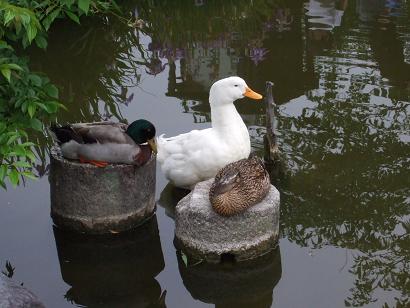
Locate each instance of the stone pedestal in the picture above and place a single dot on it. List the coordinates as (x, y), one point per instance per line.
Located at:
(203, 234)
(94, 200)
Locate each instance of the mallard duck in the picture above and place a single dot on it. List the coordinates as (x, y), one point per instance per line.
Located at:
(239, 185)
(189, 158)
(107, 142)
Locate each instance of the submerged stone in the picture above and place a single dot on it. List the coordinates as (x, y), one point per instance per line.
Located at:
(89, 199)
(203, 234)
(13, 295)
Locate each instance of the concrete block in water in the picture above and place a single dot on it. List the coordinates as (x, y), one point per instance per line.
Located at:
(204, 234)
(95, 200)
(13, 295)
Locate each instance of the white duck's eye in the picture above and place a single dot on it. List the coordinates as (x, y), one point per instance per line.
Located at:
(236, 85)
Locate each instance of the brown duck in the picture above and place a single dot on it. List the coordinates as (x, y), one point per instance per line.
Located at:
(239, 185)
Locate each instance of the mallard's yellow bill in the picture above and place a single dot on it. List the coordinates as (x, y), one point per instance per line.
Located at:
(153, 144)
(252, 94)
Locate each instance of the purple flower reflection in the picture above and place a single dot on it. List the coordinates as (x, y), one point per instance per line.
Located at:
(258, 54)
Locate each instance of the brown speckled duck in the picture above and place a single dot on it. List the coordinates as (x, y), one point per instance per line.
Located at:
(239, 185)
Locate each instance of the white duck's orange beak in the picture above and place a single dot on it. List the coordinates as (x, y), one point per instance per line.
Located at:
(252, 94)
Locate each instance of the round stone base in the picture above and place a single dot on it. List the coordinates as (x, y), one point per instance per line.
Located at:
(94, 200)
(203, 234)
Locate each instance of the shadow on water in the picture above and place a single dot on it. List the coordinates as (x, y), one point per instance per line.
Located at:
(169, 198)
(244, 284)
(116, 270)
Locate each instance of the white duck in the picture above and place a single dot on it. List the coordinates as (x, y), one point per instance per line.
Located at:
(189, 158)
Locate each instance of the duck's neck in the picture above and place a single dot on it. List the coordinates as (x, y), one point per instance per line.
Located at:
(229, 125)
(224, 115)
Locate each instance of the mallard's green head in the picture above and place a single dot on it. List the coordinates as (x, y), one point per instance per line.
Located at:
(142, 131)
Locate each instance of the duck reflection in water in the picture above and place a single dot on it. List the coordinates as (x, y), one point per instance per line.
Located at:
(169, 198)
(233, 284)
(112, 270)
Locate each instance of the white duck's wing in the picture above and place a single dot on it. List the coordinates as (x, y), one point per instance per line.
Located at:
(189, 158)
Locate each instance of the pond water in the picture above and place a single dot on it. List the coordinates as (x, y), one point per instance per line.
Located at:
(341, 71)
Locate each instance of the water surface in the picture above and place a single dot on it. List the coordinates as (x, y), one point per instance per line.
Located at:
(342, 84)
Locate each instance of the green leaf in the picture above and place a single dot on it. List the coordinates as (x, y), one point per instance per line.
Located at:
(24, 107)
(12, 139)
(52, 106)
(84, 5)
(3, 126)
(31, 109)
(28, 144)
(25, 18)
(36, 124)
(31, 32)
(17, 25)
(6, 73)
(35, 80)
(25, 42)
(41, 42)
(4, 45)
(14, 177)
(13, 66)
(50, 18)
(21, 164)
(30, 155)
(20, 151)
(22, 133)
(51, 90)
(62, 106)
(8, 16)
(3, 172)
(73, 17)
(29, 175)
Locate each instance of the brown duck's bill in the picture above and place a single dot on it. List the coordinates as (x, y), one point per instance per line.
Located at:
(252, 94)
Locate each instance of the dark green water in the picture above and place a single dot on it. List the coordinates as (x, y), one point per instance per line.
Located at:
(342, 82)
